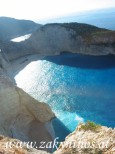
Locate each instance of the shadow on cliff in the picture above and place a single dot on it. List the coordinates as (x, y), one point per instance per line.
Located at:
(60, 129)
(83, 61)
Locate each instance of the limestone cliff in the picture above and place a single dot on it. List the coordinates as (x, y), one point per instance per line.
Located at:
(25, 118)
(72, 37)
(5, 67)
(52, 39)
(16, 147)
(93, 139)
(89, 139)
(21, 116)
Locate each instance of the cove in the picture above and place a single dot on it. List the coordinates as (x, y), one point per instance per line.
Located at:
(77, 88)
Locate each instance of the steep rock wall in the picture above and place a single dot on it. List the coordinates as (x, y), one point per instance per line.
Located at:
(95, 140)
(52, 39)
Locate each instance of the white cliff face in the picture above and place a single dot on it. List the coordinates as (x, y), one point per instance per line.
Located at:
(21, 116)
(54, 39)
(18, 147)
(25, 118)
(99, 141)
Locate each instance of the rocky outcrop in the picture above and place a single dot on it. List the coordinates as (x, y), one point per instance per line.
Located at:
(21, 116)
(52, 39)
(72, 37)
(13, 146)
(5, 68)
(89, 139)
(10, 27)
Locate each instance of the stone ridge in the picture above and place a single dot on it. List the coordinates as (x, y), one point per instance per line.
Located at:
(52, 39)
(80, 28)
(99, 141)
(11, 28)
(72, 37)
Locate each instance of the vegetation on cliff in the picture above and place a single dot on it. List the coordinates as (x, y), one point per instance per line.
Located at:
(90, 126)
(87, 140)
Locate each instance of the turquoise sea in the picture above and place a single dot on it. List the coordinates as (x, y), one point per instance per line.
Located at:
(77, 88)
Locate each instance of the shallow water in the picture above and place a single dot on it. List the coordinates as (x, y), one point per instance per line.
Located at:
(78, 88)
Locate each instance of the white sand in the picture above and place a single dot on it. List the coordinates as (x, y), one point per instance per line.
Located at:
(19, 64)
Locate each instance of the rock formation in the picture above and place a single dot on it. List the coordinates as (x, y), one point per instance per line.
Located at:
(10, 27)
(21, 116)
(52, 39)
(13, 146)
(72, 37)
(89, 139)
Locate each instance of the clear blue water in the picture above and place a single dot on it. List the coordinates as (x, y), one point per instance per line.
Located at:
(78, 88)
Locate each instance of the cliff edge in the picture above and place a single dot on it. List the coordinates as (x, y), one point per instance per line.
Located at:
(89, 138)
(21, 116)
(14, 146)
(52, 39)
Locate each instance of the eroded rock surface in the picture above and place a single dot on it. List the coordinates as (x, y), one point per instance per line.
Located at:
(21, 116)
(14, 146)
(81, 141)
(52, 39)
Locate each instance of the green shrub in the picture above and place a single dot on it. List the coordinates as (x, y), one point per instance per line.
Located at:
(90, 126)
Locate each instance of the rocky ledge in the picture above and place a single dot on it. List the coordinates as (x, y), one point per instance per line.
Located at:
(14, 146)
(23, 117)
(89, 138)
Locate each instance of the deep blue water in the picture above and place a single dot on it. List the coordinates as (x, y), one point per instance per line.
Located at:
(78, 88)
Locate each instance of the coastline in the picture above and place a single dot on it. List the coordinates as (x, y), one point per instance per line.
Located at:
(20, 63)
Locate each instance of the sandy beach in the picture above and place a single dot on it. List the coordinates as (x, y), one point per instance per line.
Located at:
(19, 64)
